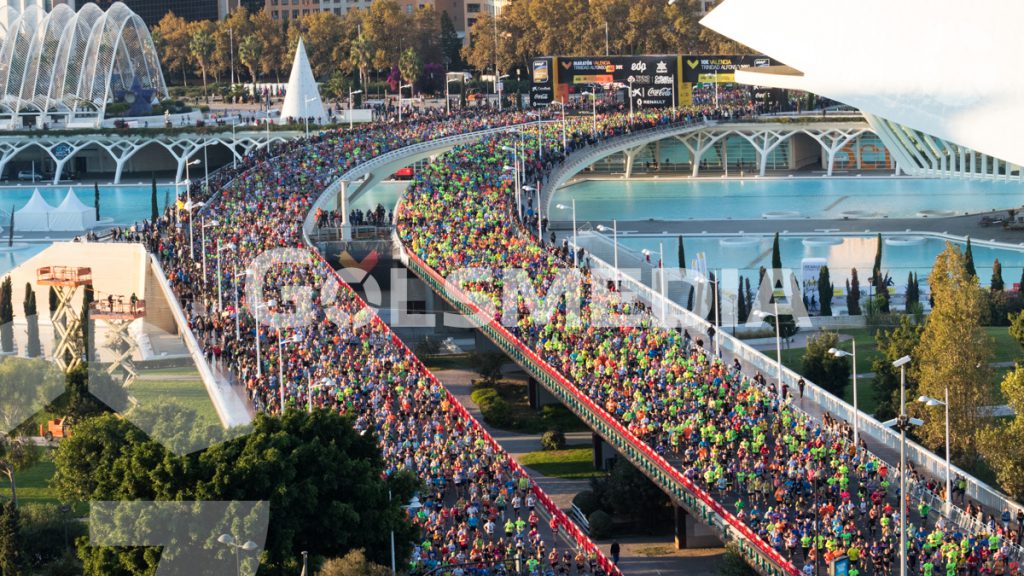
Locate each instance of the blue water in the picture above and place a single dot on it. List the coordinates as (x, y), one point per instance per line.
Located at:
(848, 252)
(126, 205)
(384, 193)
(807, 197)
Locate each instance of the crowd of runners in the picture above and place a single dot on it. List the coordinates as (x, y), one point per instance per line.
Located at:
(799, 483)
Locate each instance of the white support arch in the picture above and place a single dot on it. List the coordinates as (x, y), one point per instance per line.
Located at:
(702, 142)
(832, 141)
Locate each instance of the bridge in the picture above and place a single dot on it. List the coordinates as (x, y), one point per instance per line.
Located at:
(145, 146)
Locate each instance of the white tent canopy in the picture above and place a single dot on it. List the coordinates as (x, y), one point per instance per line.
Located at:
(34, 216)
(302, 99)
(72, 215)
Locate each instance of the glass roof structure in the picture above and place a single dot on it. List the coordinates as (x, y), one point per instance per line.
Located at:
(76, 63)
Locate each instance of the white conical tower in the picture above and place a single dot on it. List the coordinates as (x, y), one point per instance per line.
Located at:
(303, 98)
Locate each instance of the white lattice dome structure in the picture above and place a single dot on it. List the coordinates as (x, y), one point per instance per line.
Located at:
(70, 65)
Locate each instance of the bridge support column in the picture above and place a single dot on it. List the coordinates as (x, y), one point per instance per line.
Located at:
(598, 444)
(689, 533)
(857, 153)
(630, 158)
(538, 396)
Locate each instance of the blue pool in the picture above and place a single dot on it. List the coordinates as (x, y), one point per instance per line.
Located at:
(126, 205)
(900, 254)
(800, 197)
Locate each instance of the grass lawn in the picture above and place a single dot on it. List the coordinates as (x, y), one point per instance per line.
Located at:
(576, 461)
(448, 362)
(34, 486)
(1004, 349)
(183, 385)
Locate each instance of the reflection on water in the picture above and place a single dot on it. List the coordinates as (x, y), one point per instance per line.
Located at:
(809, 197)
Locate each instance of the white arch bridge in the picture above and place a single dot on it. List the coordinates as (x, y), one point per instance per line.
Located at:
(142, 151)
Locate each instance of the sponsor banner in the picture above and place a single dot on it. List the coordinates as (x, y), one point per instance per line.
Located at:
(542, 87)
(720, 69)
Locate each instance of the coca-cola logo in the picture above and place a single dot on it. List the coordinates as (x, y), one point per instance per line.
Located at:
(653, 92)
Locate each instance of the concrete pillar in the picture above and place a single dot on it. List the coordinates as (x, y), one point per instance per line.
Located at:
(533, 393)
(657, 152)
(857, 152)
(689, 533)
(598, 443)
(679, 529)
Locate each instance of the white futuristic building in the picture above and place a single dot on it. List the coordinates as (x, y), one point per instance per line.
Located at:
(936, 81)
(67, 67)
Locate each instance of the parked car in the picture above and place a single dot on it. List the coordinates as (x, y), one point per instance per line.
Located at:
(29, 175)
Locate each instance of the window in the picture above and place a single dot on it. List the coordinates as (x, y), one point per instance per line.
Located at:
(295, 13)
(275, 15)
(472, 8)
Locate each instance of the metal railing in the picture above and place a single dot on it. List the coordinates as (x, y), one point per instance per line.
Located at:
(690, 496)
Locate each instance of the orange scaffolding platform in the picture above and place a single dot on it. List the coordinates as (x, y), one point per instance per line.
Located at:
(65, 281)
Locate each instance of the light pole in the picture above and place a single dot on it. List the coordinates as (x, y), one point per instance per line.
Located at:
(902, 423)
(500, 86)
(856, 407)
(661, 280)
(203, 227)
(447, 94)
(234, 149)
(575, 247)
(409, 86)
(929, 401)
(540, 229)
(305, 108)
(562, 105)
(631, 96)
(189, 207)
(519, 200)
(249, 546)
(280, 362)
(412, 506)
(778, 343)
(238, 316)
(220, 280)
(351, 106)
(615, 244)
(594, 96)
(268, 132)
(256, 307)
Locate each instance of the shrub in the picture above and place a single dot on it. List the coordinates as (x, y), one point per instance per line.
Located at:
(733, 563)
(494, 408)
(553, 440)
(600, 524)
(429, 346)
(587, 501)
(354, 563)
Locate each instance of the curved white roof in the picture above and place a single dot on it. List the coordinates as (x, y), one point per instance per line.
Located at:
(63, 60)
(944, 67)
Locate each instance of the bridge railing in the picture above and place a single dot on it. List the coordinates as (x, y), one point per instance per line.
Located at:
(868, 427)
(696, 500)
(581, 540)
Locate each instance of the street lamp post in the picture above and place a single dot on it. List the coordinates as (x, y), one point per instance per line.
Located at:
(234, 149)
(575, 247)
(249, 546)
(562, 106)
(660, 268)
(400, 88)
(500, 86)
(856, 409)
(280, 363)
(412, 506)
(631, 96)
(929, 401)
(238, 316)
(593, 95)
(540, 228)
(778, 343)
(902, 422)
(305, 108)
(351, 106)
(615, 243)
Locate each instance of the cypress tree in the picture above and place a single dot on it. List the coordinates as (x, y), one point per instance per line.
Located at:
(853, 294)
(6, 316)
(682, 254)
(96, 199)
(741, 303)
(32, 349)
(154, 208)
(88, 338)
(997, 276)
(913, 293)
(876, 268)
(825, 291)
(969, 259)
(53, 301)
(750, 296)
(776, 262)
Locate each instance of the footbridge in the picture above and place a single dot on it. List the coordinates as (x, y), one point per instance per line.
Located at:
(689, 497)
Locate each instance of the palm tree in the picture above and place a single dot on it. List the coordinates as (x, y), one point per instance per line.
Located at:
(361, 55)
(250, 52)
(201, 45)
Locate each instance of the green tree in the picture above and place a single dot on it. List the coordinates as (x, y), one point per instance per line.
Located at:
(913, 294)
(825, 291)
(1000, 443)
(361, 54)
(488, 365)
(821, 367)
(741, 303)
(154, 208)
(16, 454)
(409, 65)
(968, 259)
(32, 347)
(733, 564)
(250, 54)
(88, 335)
(997, 276)
(955, 352)
(96, 199)
(893, 344)
(451, 45)
(629, 493)
(321, 478)
(879, 279)
(10, 546)
(52, 301)
(776, 262)
(681, 253)
(853, 294)
(6, 316)
(1016, 328)
(201, 46)
(171, 38)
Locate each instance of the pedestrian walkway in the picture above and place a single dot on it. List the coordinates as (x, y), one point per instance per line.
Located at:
(640, 555)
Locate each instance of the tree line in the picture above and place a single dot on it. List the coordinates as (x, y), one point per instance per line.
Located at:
(420, 46)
